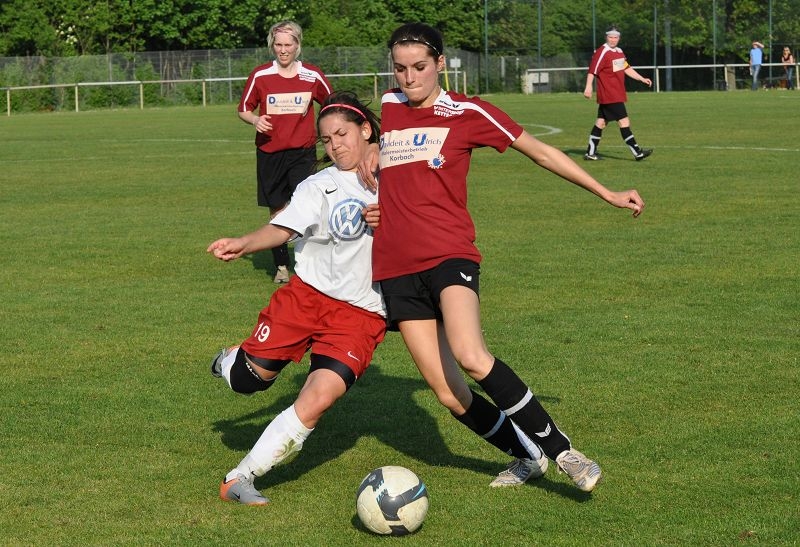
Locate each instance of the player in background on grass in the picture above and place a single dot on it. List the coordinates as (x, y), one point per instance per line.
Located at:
(278, 100)
(608, 69)
(425, 257)
(331, 305)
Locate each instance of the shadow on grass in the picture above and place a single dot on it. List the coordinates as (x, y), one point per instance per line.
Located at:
(262, 260)
(379, 406)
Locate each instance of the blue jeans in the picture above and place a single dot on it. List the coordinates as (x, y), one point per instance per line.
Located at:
(790, 77)
(756, 68)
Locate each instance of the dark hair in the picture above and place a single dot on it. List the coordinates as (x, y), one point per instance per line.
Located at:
(612, 28)
(418, 33)
(347, 104)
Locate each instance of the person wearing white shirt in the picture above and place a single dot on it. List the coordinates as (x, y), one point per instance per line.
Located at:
(331, 307)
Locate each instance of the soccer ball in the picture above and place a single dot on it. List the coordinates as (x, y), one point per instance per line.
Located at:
(391, 500)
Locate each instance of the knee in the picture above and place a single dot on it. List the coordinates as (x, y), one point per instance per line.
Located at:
(244, 379)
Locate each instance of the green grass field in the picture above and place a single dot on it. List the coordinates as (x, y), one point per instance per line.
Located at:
(666, 347)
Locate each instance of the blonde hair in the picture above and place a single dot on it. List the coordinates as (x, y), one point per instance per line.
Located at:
(289, 27)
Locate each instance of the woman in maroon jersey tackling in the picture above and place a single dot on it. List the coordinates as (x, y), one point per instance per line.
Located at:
(425, 257)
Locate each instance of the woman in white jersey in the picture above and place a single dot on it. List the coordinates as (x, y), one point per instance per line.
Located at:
(425, 256)
(331, 305)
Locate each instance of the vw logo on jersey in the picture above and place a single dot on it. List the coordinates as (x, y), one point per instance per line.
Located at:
(346, 221)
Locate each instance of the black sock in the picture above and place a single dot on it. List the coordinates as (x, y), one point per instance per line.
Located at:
(514, 397)
(630, 140)
(280, 255)
(594, 140)
(485, 419)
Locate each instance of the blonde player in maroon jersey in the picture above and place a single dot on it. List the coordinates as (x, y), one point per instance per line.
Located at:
(278, 100)
(607, 71)
(425, 257)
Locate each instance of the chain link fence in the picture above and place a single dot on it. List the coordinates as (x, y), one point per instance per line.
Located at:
(164, 78)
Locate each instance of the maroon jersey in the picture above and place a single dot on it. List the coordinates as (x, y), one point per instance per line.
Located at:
(425, 156)
(288, 101)
(608, 66)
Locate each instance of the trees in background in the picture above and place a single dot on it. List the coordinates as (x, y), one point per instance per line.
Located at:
(688, 27)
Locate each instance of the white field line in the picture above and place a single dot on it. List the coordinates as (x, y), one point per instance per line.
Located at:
(545, 130)
(549, 130)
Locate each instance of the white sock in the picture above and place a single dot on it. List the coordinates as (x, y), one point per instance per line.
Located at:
(227, 363)
(283, 437)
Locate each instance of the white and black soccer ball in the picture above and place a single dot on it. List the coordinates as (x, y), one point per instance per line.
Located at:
(391, 500)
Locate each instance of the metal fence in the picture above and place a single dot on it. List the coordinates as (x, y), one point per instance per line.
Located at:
(217, 76)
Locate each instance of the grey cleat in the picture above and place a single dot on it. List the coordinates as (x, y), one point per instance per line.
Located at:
(519, 471)
(583, 471)
(242, 491)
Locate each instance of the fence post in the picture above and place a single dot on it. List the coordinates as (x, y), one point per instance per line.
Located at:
(204, 92)
(141, 95)
(77, 100)
(730, 77)
(8, 101)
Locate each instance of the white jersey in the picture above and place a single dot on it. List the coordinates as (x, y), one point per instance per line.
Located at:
(334, 251)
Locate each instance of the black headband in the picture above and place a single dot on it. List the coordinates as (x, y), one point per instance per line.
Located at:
(416, 41)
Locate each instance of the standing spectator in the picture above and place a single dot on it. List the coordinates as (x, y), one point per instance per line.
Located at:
(609, 68)
(788, 65)
(278, 100)
(756, 58)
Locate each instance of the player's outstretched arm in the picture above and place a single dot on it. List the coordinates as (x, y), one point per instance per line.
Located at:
(558, 163)
(266, 237)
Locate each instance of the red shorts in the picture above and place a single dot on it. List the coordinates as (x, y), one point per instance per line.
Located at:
(299, 317)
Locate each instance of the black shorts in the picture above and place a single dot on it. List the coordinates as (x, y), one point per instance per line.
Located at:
(279, 173)
(416, 296)
(612, 112)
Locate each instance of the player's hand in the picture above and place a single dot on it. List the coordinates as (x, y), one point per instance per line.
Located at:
(648, 82)
(226, 249)
(587, 93)
(629, 199)
(368, 167)
(263, 124)
(372, 215)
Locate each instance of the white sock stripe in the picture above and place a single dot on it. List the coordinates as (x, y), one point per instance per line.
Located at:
(517, 407)
(496, 426)
(533, 449)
